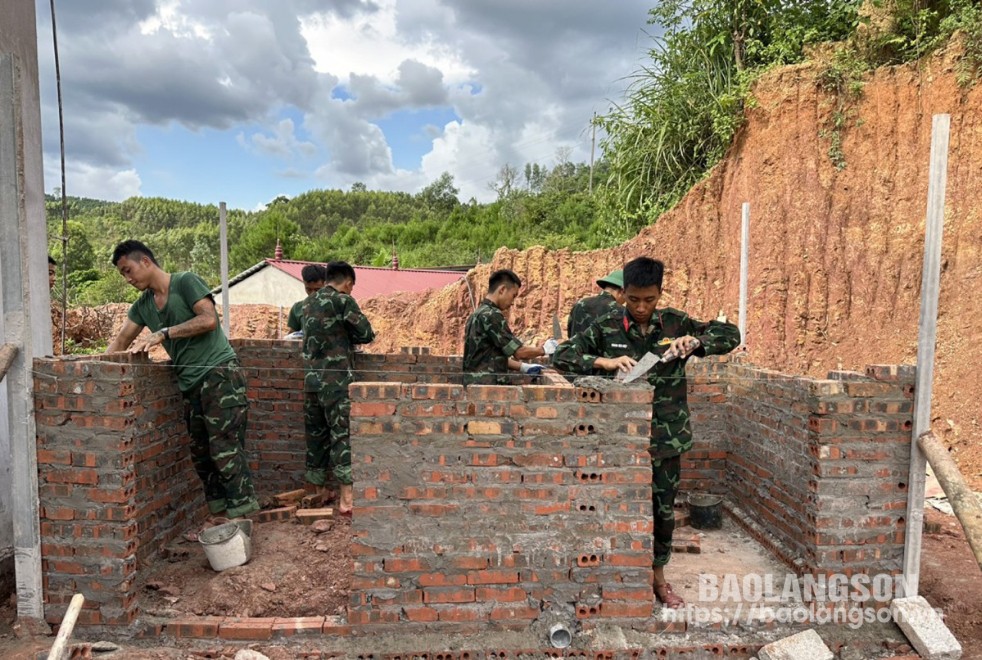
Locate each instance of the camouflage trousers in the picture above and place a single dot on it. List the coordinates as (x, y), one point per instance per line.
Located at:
(216, 413)
(325, 416)
(665, 477)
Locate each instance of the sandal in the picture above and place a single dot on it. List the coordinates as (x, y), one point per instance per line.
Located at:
(667, 597)
(194, 535)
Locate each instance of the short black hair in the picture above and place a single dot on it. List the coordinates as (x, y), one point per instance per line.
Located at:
(51, 261)
(129, 248)
(643, 272)
(503, 276)
(339, 271)
(313, 273)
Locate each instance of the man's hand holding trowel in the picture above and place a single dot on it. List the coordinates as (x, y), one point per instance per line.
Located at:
(628, 369)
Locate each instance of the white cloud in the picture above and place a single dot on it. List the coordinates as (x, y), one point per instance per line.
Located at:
(85, 180)
(283, 143)
(523, 78)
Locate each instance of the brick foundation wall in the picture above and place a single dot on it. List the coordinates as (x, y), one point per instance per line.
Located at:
(115, 479)
(704, 466)
(496, 504)
(819, 467)
(816, 469)
(274, 373)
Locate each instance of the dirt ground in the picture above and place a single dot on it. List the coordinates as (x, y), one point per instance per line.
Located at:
(951, 580)
(294, 571)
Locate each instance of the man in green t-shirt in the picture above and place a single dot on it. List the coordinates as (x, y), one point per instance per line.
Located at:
(180, 312)
(313, 276)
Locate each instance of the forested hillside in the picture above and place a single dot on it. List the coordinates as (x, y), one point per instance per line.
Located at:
(538, 206)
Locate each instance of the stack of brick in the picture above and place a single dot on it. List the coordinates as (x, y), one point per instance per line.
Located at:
(492, 504)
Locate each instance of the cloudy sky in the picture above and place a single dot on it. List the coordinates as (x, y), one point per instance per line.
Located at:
(244, 100)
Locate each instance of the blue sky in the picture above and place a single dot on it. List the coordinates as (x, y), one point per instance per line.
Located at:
(244, 100)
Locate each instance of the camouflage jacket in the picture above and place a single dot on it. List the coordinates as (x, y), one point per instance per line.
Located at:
(587, 310)
(618, 334)
(488, 343)
(332, 325)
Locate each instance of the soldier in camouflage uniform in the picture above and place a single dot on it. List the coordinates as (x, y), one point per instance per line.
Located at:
(615, 343)
(610, 299)
(180, 312)
(313, 281)
(332, 325)
(491, 349)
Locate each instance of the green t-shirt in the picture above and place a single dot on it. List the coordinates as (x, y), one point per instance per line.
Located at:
(295, 319)
(193, 357)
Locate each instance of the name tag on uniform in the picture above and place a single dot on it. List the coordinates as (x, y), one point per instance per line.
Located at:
(618, 345)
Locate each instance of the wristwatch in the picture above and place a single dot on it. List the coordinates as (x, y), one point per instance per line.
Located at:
(166, 333)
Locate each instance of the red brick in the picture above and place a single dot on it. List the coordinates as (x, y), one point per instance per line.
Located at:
(396, 565)
(335, 625)
(504, 594)
(202, 627)
(54, 457)
(506, 612)
(255, 628)
(460, 613)
(448, 595)
(298, 625)
(84, 477)
(365, 409)
(420, 613)
(440, 580)
(618, 609)
(492, 577)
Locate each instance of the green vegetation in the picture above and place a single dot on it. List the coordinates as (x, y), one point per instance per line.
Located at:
(683, 109)
(550, 207)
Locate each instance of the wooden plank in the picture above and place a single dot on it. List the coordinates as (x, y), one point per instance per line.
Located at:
(7, 354)
(65, 629)
(963, 501)
(926, 336)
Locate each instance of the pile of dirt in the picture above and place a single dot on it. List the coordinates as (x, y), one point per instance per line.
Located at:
(293, 571)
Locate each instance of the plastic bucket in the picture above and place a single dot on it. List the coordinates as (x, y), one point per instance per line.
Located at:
(228, 545)
(705, 510)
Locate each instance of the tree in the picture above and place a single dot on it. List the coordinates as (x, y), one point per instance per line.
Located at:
(504, 182)
(683, 108)
(441, 194)
(258, 241)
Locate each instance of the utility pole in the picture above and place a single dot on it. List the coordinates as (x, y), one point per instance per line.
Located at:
(593, 145)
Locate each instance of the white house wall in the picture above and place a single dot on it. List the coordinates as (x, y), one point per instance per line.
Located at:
(269, 286)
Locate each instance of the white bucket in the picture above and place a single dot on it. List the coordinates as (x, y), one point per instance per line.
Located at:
(228, 545)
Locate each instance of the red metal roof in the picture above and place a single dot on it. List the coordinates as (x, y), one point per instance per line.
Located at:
(371, 281)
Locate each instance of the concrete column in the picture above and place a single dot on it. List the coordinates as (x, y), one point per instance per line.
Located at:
(25, 318)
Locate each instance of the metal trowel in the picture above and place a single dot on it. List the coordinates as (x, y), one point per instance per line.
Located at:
(643, 366)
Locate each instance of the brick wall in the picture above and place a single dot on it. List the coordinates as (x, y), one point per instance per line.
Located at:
(818, 468)
(704, 466)
(494, 504)
(274, 372)
(113, 479)
(539, 494)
